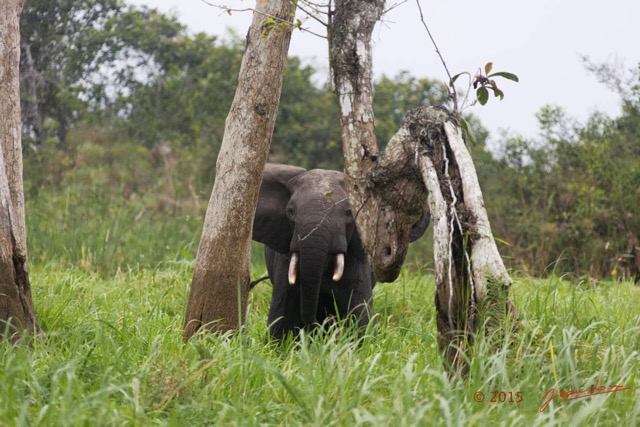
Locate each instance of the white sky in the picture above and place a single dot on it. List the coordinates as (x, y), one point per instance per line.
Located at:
(541, 41)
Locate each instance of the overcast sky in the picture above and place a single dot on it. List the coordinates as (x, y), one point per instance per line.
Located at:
(541, 41)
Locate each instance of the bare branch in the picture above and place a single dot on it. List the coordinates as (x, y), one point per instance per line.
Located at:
(312, 16)
(393, 6)
(452, 89)
(228, 10)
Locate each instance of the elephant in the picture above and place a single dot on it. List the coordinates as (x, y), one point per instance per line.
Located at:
(313, 252)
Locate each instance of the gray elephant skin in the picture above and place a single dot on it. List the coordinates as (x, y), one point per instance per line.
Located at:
(314, 256)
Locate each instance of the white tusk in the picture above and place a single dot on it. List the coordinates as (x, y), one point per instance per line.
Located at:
(337, 273)
(293, 269)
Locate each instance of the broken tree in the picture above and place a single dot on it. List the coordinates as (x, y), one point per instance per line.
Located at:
(220, 284)
(388, 190)
(16, 306)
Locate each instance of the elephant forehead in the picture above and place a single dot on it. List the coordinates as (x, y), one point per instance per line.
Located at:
(323, 181)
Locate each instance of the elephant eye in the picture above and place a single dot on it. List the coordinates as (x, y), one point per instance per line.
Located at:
(291, 212)
(348, 215)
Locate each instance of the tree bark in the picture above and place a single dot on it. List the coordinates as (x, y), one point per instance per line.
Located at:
(220, 283)
(472, 283)
(388, 191)
(385, 191)
(16, 306)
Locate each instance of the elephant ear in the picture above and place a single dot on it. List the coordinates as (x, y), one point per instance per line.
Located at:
(271, 225)
(418, 229)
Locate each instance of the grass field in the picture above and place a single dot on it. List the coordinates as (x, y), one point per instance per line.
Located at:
(110, 282)
(111, 353)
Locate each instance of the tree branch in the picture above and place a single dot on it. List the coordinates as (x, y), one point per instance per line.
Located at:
(450, 86)
(228, 10)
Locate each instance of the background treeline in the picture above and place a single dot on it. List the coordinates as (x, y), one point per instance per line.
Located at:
(124, 110)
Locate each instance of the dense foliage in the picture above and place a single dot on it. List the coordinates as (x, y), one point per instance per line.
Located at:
(124, 108)
(570, 201)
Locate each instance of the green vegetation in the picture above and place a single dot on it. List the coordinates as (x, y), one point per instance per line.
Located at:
(569, 203)
(120, 152)
(110, 269)
(132, 108)
(111, 353)
(110, 277)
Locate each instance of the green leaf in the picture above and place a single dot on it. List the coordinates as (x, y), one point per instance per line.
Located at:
(499, 240)
(508, 76)
(483, 95)
(498, 93)
(185, 254)
(454, 78)
(468, 131)
(488, 67)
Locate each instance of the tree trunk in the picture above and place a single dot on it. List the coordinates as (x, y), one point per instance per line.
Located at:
(16, 306)
(220, 283)
(30, 78)
(388, 191)
(472, 284)
(385, 191)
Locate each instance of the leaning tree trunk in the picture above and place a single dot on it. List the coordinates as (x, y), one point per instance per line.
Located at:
(16, 306)
(389, 190)
(219, 287)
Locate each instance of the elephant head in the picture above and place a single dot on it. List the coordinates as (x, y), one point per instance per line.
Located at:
(304, 219)
(306, 215)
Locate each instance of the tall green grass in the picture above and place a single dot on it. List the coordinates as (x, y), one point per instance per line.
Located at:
(93, 227)
(110, 277)
(100, 232)
(111, 353)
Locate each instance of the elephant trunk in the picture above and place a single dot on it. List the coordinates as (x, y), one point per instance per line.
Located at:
(313, 259)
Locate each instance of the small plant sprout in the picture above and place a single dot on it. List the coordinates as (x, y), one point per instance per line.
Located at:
(482, 83)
